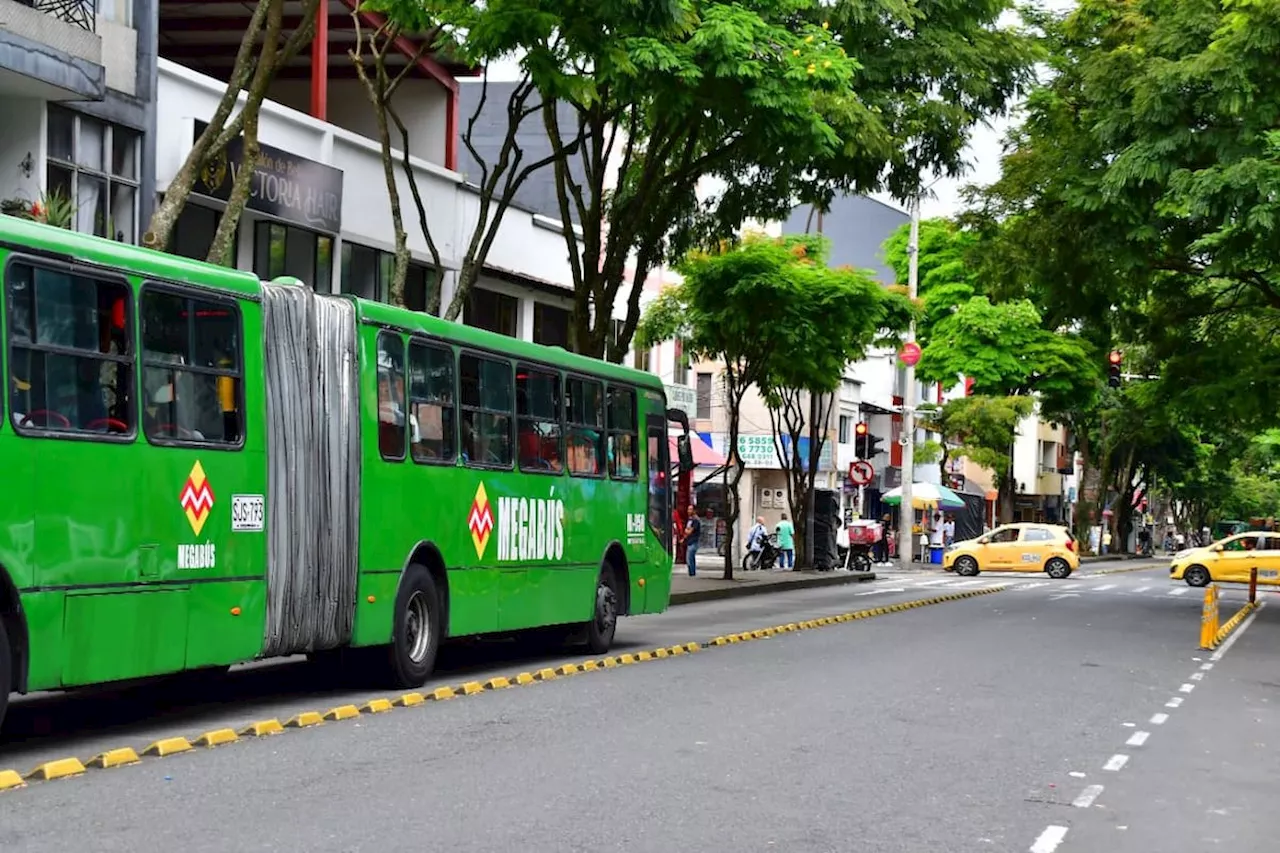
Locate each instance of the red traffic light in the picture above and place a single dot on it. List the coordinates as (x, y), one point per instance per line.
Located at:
(1115, 357)
(861, 428)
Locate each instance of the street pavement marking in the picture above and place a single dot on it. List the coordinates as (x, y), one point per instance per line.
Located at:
(1175, 702)
(1087, 796)
(1115, 762)
(1142, 589)
(1063, 595)
(1104, 587)
(1206, 666)
(1181, 590)
(1186, 688)
(1137, 739)
(1049, 840)
(878, 591)
(1159, 719)
(1197, 676)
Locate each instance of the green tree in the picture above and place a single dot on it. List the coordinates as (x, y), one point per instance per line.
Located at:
(981, 429)
(947, 270)
(767, 313)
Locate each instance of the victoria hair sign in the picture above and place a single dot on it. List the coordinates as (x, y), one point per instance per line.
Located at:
(283, 185)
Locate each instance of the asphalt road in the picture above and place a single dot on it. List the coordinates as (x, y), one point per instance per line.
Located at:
(983, 724)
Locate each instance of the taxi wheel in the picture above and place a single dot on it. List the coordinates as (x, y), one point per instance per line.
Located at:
(1196, 576)
(1058, 568)
(967, 566)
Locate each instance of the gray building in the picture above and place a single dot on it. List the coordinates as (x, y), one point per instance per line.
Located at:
(538, 193)
(857, 227)
(77, 92)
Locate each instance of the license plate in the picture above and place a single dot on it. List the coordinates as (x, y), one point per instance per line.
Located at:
(248, 512)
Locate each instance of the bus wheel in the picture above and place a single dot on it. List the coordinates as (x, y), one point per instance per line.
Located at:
(415, 636)
(6, 676)
(604, 621)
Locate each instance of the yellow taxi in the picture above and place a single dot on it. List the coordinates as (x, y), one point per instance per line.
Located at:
(1024, 547)
(1229, 560)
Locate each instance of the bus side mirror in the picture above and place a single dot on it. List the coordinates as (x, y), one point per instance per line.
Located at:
(684, 448)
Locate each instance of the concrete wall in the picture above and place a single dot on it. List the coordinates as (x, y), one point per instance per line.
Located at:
(857, 227)
(22, 134)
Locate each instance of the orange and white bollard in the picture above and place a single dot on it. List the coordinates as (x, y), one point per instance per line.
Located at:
(1209, 617)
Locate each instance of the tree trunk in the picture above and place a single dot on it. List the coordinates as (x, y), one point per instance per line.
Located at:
(224, 237)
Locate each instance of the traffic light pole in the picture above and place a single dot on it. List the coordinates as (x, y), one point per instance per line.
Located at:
(906, 515)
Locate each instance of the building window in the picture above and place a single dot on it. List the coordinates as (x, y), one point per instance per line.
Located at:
(704, 396)
(419, 284)
(285, 250)
(368, 273)
(94, 165)
(191, 354)
(643, 359)
(680, 375)
(550, 325)
(492, 311)
(846, 429)
(193, 233)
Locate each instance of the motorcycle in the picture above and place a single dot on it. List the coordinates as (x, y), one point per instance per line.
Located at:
(764, 559)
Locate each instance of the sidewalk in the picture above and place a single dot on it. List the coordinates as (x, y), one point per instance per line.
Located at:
(710, 584)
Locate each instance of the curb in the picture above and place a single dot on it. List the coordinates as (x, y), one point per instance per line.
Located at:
(718, 594)
(170, 747)
(1233, 623)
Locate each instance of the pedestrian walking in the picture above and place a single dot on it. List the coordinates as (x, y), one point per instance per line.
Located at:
(787, 542)
(881, 547)
(692, 534)
(949, 531)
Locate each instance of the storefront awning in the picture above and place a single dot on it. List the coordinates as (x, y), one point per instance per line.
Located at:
(703, 454)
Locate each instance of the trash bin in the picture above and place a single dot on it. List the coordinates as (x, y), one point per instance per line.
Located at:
(935, 555)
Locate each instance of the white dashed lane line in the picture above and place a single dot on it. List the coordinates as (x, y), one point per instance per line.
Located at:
(1174, 702)
(1180, 590)
(1049, 839)
(1186, 688)
(1159, 719)
(1087, 796)
(1116, 762)
(1137, 739)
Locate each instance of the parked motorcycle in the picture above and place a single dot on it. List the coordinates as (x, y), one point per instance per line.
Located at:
(766, 558)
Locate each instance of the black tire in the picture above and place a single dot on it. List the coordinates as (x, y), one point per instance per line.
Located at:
(861, 563)
(604, 615)
(966, 566)
(1197, 576)
(6, 672)
(751, 560)
(410, 657)
(1058, 568)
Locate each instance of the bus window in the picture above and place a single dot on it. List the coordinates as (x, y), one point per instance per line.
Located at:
(391, 396)
(584, 417)
(191, 357)
(431, 403)
(485, 385)
(623, 433)
(70, 352)
(660, 520)
(538, 423)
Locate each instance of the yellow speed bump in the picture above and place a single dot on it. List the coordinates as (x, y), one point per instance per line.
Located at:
(661, 653)
(342, 712)
(589, 666)
(626, 659)
(114, 758)
(262, 728)
(376, 706)
(59, 769)
(642, 656)
(217, 737)
(11, 779)
(442, 693)
(499, 683)
(676, 650)
(568, 669)
(545, 674)
(168, 746)
(525, 678)
(471, 688)
(609, 663)
(408, 700)
(304, 720)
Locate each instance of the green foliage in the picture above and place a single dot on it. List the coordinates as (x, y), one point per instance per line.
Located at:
(948, 275)
(982, 426)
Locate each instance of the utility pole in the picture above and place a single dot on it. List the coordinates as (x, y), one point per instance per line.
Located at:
(906, 539)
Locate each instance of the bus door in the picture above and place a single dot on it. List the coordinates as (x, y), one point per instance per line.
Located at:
(72, 404)
(205, 490)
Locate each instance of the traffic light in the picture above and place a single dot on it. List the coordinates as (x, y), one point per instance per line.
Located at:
(865, 445)
(1113, 368)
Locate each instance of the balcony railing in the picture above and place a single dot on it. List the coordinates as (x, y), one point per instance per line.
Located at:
(79, 13)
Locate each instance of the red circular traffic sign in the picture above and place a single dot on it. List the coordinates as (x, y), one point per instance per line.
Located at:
(910, 354)
(861, 473)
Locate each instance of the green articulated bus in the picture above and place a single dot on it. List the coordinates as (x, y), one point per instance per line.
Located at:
(201, 469)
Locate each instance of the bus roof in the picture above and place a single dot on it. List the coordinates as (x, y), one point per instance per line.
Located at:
(23, 235)
(414, 321)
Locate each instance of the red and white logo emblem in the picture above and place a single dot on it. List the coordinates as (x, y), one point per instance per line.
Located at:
(197, 498)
